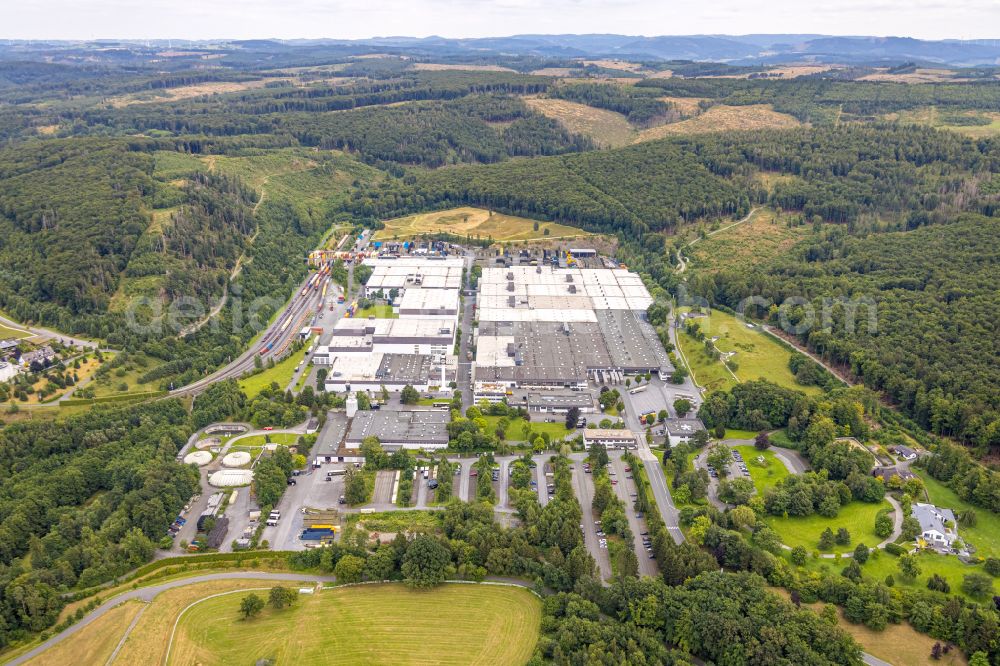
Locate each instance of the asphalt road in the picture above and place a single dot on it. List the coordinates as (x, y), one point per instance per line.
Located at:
(658, 483)
(48, 333)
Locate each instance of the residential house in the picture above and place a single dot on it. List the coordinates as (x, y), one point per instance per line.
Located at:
(938, 526)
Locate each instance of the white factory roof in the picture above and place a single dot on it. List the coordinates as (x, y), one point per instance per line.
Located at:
(492, 350)
(429, 299)
(406, 328)
(547, 287)
(347, 368)
(424, 272)
(414, 261)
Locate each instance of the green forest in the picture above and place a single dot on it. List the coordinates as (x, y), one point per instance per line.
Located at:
(126, 188)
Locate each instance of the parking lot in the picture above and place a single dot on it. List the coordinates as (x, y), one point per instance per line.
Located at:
(311, 489)
(627, 492)
(583, 485)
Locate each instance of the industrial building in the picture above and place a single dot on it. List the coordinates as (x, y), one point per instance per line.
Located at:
(545, 327)
(427, 304)
(552, 402)
(373, 371)
(413, 430)
(401, 273)
(353, 338)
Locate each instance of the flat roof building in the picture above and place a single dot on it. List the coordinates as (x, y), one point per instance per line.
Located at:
(370, 372)
(682, 430)
(402, 273)
(610, 438)
(409, 430)
(428, 303)
(363, 337)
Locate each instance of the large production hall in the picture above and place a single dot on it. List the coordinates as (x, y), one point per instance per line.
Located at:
(548, 327)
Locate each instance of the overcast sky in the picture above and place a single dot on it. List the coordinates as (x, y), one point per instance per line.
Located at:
(208, 19)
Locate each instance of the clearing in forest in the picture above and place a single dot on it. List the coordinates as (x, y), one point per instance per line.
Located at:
(764, 237)
(723, 118)
(475, 222)
(606, 128)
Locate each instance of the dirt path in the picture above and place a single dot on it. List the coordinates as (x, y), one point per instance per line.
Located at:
(680, 252)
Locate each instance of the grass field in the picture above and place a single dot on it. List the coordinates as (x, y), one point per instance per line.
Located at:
(281, 373)
(605, 128)
(722, 118)
(757, 354)
(475, 222)
(95, 643)
(766, 475)
(286, 438)
(372, 624)
(125, 378)
(377, 311)
(515, 431)
(985, 535)
(765, 236)
(857, 517)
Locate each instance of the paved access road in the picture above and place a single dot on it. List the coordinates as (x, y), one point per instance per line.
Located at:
(49, 334)
(658, 484)
(147, 594)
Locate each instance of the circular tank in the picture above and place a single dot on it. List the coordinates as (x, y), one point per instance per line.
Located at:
(227, 478)
(236, 459)
(199, 458)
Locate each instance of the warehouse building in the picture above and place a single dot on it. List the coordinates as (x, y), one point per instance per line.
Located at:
(427, 304)
(412, 430)
(352, 338)
(402, 273)
(370, 372)
(552, 402)
(546, 327)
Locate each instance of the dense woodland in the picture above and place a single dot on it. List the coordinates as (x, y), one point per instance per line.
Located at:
(113, 204)
(82, 501)
(935, 291)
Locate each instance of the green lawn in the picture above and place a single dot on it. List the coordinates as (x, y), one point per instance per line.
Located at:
(766, 475)
(369, 624)
(377, 311)
(879, 566)
(857, 517)
(985, 536)
(286, 438)
(758, 355)
(740, 434)
(281, 373)
(514, 432)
